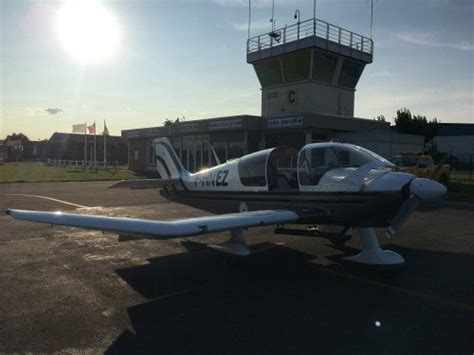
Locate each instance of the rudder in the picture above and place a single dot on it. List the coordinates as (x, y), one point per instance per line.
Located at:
(167, 161)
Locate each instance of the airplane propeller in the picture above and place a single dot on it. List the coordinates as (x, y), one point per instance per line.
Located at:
(402, 215)
(420, 190)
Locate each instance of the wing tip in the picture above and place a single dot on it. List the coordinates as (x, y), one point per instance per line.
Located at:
(6, 212)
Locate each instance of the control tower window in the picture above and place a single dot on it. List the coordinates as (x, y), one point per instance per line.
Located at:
(269, 72)
(324, 66)
(296, 65)
(350, 73)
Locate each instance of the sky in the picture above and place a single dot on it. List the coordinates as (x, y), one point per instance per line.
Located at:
(175, 58)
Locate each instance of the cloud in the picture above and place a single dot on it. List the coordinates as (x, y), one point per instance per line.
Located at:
(426, 39)
(33, 111)
(53, 111)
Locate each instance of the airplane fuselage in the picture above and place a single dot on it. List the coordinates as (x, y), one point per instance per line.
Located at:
(324, 183)
(367, 209)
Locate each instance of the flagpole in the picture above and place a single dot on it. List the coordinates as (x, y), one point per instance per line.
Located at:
(85, 145)
(95, 145)
(105, 147)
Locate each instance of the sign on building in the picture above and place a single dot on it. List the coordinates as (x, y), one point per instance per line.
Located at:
(188, 127)
(227, 124)
(285, 122)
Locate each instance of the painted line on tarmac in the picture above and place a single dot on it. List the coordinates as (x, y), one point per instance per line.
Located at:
(48, 198)
(422, 295)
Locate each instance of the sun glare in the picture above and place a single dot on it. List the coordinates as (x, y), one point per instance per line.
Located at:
(87, 30)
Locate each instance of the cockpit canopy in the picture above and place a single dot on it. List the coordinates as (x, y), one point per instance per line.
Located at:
(316, 160)
(283, 167)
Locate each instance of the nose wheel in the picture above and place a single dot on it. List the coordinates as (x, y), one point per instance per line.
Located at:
(372, 254)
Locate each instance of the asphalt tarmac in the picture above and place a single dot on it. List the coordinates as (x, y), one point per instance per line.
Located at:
(70, 290)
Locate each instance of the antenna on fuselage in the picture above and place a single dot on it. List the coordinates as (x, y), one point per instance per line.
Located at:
(215, 155)
(371, 18)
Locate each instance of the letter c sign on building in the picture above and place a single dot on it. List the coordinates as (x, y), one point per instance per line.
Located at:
(291, 96)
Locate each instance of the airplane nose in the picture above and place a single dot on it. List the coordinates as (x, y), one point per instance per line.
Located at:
(427, 189)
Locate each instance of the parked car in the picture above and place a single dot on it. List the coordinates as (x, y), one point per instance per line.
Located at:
(422, 166)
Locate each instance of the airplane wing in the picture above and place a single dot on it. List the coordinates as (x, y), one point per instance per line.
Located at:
(143, 183)
(160, 229)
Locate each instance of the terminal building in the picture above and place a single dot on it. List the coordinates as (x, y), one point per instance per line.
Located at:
(308, 74)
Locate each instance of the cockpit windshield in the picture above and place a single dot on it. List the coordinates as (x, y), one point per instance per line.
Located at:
(405, 160)
(316, 160)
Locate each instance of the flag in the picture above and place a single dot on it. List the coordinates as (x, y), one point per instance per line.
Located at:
(81, 128)
(106, 130)
(91, 129)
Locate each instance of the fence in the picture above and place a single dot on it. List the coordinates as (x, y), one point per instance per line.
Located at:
(462, 167)
(312, 27)
(80, 164)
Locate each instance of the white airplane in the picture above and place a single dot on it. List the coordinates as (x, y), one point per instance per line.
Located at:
(322, 184)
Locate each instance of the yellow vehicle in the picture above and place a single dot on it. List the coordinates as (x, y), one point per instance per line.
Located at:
(422, 166)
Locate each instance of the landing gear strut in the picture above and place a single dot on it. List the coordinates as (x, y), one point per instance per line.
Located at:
(371, 253)
(339, 239)
(235, 245)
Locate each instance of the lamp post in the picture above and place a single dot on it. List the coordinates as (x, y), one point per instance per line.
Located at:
(297, 16)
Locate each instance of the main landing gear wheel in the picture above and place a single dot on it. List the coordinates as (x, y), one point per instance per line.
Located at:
(372, 254)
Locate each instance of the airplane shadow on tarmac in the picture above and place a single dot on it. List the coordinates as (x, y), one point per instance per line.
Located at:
(277, 301)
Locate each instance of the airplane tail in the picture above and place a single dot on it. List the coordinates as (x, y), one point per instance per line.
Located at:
(167, 161)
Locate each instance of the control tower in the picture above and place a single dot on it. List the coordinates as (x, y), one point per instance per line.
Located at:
(309, 67)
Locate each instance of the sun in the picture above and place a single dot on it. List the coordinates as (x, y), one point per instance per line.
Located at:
(87, 30)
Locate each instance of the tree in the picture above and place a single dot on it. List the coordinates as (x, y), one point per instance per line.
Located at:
(18, 137)
(405, 122)
(380, 118)
(169, 122)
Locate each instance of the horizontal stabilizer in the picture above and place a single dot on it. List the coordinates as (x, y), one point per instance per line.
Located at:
(160, 229)
(143, 183)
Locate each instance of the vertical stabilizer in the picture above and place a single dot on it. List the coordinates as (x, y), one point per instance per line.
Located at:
(167, 161)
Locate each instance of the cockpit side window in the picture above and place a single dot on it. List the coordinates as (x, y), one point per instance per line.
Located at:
(281, 169)
(252, 169)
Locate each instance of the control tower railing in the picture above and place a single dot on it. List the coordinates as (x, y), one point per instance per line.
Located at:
(308, 28)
